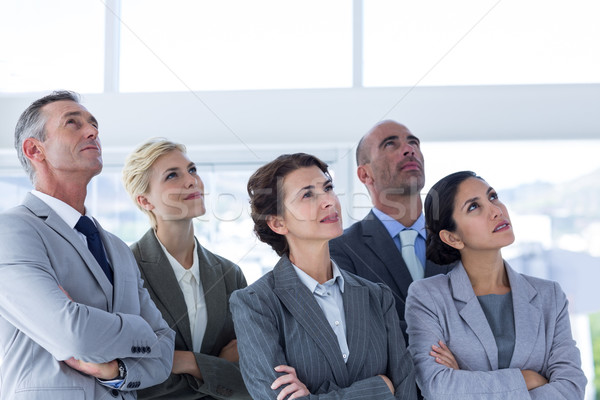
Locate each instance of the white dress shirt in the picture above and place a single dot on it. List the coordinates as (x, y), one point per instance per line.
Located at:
(193, 293)
(329, 297)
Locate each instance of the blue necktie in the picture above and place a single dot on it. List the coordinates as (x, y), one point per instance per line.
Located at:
(87, 227)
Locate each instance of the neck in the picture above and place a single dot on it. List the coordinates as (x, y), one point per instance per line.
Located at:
(71, 192)
(313, 258)
(178, 239)
(486, 272)
(405, 209)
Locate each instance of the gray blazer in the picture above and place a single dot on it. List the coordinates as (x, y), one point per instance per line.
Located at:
(445, 307)
(367, 250)
(278, 321)
(220, 277)
(40, 326)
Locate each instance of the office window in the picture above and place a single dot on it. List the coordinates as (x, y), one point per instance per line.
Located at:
(235, 45)
(480, 42)
(49, 45)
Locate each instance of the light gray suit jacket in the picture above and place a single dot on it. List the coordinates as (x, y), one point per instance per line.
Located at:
(40, 326)
(220, 277)
(278, 321)
(445, 308)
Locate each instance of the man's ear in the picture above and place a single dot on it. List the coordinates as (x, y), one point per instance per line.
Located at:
(277, 224)
(451, 239)
(364, 174)
(144, 202)
(33, 149)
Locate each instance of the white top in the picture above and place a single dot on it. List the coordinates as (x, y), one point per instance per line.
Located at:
(193, 293)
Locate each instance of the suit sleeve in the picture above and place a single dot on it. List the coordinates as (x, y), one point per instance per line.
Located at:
(440, 382)
(147, 371)
(32, 301)
(222, 379)
(566, 380)
(401, 370)
(260, 352)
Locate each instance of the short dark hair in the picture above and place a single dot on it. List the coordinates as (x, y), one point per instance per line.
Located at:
(32, 124)
(265, 188)
(439, 207)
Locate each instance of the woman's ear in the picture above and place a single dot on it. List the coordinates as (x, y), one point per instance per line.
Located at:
(144, 202)
(451, 239)
(277, 224)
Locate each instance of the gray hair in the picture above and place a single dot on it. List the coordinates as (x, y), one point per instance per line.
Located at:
(32, 124)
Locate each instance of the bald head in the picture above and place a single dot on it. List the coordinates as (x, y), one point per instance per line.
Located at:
(363, 150)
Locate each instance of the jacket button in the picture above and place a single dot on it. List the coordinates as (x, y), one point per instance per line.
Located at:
(114, 392)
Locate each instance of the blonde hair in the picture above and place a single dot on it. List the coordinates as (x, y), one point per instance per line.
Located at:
(138, 168)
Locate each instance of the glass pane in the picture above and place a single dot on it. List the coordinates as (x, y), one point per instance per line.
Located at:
(49, 45)
(235, 44)
(471, 42)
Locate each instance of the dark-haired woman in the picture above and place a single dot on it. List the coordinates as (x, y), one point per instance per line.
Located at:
(308, 328)
(484, 331)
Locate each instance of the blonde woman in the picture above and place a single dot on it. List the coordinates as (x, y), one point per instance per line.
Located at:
(189, 284)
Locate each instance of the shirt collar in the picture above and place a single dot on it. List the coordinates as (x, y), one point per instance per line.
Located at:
(394, 227)
(178, 269)
(64, 211)
(312, 284)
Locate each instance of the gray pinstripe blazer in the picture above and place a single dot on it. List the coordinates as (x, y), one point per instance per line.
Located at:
(445, 307)
(278, 321)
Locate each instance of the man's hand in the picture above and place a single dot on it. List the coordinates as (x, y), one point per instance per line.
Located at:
(105, 371)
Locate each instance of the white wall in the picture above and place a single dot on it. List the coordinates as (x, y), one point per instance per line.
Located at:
(335, 115)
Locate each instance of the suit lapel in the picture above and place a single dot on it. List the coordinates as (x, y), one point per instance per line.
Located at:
(160, 277)
(356, 309)
(215, 295)
(472, 313)
(527, 316)
(377, 238)
(304, 308)
(56, 223)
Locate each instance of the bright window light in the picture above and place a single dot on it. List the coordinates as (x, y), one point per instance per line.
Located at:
(475, 42)
(235, 45)
(50, 45)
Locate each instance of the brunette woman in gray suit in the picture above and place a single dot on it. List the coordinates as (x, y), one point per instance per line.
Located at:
(484, 331)
(308, 328)
(189, 284)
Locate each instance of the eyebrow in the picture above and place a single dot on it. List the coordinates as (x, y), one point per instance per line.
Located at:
(476, 197)
(393, 137)
(79, 114)
(328, 181)
(175, 169)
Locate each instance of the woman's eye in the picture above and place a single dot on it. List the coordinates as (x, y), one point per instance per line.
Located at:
(472, 207)
(328, 188)
(171, 176)
(192, 170)
(307, 195)
(493, 196)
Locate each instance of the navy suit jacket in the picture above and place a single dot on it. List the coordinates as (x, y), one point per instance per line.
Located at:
(367, 250)
(278, 321)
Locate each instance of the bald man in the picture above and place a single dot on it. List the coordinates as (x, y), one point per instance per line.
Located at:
(390, 164)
